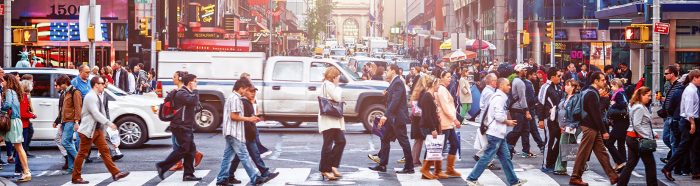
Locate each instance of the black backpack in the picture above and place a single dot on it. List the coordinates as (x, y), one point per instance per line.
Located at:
(166, 110)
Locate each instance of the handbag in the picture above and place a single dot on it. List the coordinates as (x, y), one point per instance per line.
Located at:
(483, 128)
(618, 114)
(434, 147)
(646, 145)
(5, 121)
(329, 107)
(568, 152)
(376, 130)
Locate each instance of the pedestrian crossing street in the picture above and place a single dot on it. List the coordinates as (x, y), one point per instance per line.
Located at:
(362, 176)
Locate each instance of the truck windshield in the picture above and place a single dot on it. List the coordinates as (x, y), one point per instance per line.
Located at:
(347, 70)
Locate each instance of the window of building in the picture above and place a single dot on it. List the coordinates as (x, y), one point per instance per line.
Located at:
(351, 28)
(288, 71)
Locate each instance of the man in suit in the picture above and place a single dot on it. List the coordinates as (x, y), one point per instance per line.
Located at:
(121, 76)
(395, 118)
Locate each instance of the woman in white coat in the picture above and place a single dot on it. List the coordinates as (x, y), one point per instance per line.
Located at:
(331, 127)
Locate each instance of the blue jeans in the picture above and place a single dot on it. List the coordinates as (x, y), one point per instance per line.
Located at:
(68, 144)
(234, 145)
(254, 153)
(666, 135)
(496, 146)
(451, 137)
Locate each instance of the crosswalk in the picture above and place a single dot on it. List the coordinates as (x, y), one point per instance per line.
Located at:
(362, 176)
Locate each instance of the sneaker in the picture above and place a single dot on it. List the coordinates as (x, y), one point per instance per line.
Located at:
(545, 170)
(664, 160)
(473, 183)
(402, 160)
(527, 155)
(265, 154)
(117, 157)
(520, 182)
(476, 158)
(374, 158)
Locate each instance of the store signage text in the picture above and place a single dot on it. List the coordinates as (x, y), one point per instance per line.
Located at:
(206, 35)
(62, 10)
(576, 54)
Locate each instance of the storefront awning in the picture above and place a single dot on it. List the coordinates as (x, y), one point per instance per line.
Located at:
(215, 45)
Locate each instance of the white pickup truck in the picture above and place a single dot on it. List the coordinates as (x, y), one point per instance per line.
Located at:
(289, 86)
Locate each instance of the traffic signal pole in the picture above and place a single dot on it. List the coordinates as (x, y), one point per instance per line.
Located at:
(7, 34)
(520, 30)
(91, 61)
(656, 51)
(552, 40)
(153, 34)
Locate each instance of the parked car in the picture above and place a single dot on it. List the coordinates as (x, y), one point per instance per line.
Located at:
(136, 116)
(289, 86)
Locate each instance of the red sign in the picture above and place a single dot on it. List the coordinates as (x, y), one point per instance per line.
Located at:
(661, 28)
(2, 9)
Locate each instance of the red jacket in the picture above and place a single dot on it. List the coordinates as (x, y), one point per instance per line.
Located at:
(25, 114)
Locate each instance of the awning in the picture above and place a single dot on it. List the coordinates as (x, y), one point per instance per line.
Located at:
(215, 45)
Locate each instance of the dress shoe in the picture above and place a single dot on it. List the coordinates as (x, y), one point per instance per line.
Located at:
(613, 181)
(336, 173)
(224, 184)
(65, 163)
(117, 157)
(161, 171)
(233, 180)
(577, 182)
(667, 174)
(696, 176)
(25, 178)
(374, 158)
(378, 168)
(191, 178)
(120, 175)
(664, 160)
(79, 181)
(329, 176)
(406, 171)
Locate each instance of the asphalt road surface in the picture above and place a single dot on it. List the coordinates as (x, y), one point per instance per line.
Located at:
(296, 154)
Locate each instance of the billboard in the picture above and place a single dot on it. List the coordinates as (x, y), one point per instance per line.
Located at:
(66, 8)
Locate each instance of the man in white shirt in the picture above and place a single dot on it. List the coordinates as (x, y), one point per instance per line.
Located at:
(689, 142)
(132, 83)
(497, 121)
(480, 141)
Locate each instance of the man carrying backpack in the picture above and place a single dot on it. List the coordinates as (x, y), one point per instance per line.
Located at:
(550, 95)
(69, 113)
(593, 130)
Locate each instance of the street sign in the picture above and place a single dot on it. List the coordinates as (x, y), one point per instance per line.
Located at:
(143, 1)
(661, 28)
(2, 9)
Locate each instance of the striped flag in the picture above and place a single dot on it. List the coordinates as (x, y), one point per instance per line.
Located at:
(63, 31)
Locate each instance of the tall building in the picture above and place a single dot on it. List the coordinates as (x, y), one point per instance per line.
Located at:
(350, 20)
(394, 14)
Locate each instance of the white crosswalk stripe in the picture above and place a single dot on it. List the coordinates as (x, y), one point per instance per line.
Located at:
(94, 179)
(487, 178)
(176, 178)
(303, 176)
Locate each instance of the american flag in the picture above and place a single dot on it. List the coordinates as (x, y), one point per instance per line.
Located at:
(59, 31)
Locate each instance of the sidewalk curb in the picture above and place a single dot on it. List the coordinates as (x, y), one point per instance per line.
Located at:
(4, 181)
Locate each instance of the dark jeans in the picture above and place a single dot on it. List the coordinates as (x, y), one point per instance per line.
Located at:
(332, 150)
(520, 131)
(684, 148)
(684, 166)
(618, 153)
(451, 136)
(261, 148)
(254, 153)
(551, 151)
(634, 156)
(186, 149)
(398, 131)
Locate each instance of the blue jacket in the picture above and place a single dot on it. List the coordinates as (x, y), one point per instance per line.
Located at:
(675, 102)
(11, 102)
(396, 106)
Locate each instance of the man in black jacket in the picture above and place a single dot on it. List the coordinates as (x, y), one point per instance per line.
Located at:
(672, 83)
(395, 119)
(594, 131)
(182, 127)
(551, 96)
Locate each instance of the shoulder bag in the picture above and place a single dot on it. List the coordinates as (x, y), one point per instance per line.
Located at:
(485, 127)
(329, 107)
(616, 114)
(646, 145)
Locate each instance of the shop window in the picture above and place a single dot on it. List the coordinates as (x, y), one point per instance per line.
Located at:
(288, 71)
(688, 60)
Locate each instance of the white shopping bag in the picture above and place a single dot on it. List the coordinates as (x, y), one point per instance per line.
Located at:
(113, 136)
(433, 147)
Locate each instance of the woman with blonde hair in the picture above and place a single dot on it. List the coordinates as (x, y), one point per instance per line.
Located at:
(331, 127)
(416, 112)
(619, 102)
(430, 123)
(640, 129)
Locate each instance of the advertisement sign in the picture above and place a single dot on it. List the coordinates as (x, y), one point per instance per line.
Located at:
(601, 54)
(67, 8)
(588, 34)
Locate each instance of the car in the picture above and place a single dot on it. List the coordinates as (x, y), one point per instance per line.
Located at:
(136, 116)
(289, 86)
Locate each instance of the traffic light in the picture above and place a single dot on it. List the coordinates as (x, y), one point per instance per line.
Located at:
(524, 38)
(638, 33)
(550, 30)
(17, 36)
(143, 26)
(29, 35)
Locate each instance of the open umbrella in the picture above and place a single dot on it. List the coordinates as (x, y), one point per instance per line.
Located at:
(477, 44)
(459, 55)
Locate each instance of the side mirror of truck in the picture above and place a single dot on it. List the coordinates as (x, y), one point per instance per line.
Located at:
(343, 79)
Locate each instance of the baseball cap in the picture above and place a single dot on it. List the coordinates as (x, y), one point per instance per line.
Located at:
(520, 67)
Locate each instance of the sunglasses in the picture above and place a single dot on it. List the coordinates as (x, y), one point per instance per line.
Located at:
(667, 73)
